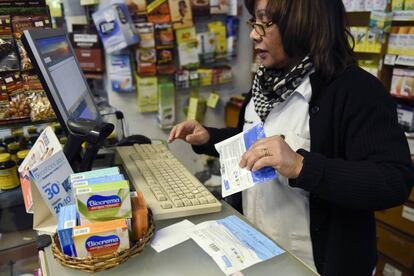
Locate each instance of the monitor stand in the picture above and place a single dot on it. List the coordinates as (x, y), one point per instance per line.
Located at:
(80, 131)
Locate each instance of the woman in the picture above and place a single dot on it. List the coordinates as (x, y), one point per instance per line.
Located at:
(332, 136)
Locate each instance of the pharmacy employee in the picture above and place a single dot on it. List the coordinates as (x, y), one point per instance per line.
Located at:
(332, 136)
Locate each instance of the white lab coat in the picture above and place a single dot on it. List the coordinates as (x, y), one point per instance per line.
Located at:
(280, 211)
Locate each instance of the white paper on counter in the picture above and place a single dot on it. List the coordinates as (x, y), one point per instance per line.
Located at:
(171, 235)
(233, 244)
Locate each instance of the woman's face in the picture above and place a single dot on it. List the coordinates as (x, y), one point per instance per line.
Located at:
(269, 47)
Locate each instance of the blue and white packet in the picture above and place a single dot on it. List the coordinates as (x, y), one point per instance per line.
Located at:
(235, 179)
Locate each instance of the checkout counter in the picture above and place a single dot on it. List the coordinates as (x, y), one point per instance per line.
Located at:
(186, 258)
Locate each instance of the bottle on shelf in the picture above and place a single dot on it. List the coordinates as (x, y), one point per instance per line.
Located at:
(8, 172)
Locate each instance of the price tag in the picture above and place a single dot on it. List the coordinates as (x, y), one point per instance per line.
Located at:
(408, 213)
(389, 270)
(213, 99)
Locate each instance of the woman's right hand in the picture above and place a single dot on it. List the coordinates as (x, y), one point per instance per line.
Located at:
(190, 131)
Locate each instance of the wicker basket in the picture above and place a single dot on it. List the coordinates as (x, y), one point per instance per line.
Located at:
(96, 264)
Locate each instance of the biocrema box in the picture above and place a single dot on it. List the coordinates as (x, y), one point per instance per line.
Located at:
(101, 238)
(102, 202)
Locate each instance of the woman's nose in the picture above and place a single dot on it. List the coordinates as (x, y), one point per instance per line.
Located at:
(254, 36)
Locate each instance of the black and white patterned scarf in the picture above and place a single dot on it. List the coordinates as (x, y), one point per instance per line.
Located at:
(272, 87)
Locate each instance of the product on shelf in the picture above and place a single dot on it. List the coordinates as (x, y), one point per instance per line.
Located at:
(166, 104)
(181, 15)
(158, 11)
(8, 55)
(41, 109)
(8, 172)
(115, 27)
(88, 49)
(402, 84)
(200, 7)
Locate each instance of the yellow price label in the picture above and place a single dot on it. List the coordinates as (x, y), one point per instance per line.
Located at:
(213, 99)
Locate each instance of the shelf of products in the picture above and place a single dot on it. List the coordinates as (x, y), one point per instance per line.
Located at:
(22, 99)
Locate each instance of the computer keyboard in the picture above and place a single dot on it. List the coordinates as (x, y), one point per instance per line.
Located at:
(170, 190)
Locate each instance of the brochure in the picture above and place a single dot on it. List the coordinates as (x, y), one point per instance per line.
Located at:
(235, 179)
(45, 182)
(233, 244)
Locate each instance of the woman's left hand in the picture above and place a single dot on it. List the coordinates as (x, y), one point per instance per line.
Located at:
(273, 152)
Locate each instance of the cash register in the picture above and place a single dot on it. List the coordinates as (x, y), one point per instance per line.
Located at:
(169, 188)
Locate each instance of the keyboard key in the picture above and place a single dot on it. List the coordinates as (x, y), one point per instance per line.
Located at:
(187, 202)
(203, 200)
(211, 199)
(178, 203)
(166, 205)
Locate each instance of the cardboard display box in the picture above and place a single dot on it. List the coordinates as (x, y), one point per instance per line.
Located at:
(400, 217)
(395, 245)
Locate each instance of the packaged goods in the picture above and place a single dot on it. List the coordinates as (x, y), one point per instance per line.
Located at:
(146, 35)
(4, 106)
(40, 108)
(136, 9)
(165, 61)
(8, 55)
(5, 25)
(98, 180)
(181, 15)
(93, 174)
(402, 83)
(166, 105)
(409, 5)
(139, 221)
(101, 238)
(200, 7)
(232, 27)
(206, 46)
(115, 27)
(66, 221)
(182, 79)
(27, 22)
(120, 73)
(102, 202)
(25, 62)
(8, 172)
(164, 35)
(147, 94)
(146, 62)
(219, 30)
(219, 6)
(19, 105)
(158, 11)
(88, 49)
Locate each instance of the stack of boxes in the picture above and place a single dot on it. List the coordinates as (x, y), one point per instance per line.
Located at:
(395, 239)
(98, 224)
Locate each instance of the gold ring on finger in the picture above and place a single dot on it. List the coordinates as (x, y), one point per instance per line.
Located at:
(265, 152)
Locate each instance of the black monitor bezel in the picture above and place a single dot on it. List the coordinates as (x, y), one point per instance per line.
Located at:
(29, 41)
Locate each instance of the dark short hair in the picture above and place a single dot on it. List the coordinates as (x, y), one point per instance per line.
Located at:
(315, 27)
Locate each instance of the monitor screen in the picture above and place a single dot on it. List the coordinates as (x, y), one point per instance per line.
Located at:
(61, 75)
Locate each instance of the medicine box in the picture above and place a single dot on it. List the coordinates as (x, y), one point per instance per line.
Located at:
(94, 173)
(101, 238)
(114, 26)
(66, 221)
(98, 180)
(102, 202)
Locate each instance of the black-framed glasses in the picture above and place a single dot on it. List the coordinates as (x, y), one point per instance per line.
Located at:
(259, 28)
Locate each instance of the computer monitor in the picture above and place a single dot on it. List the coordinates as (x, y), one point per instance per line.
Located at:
(59, 72)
